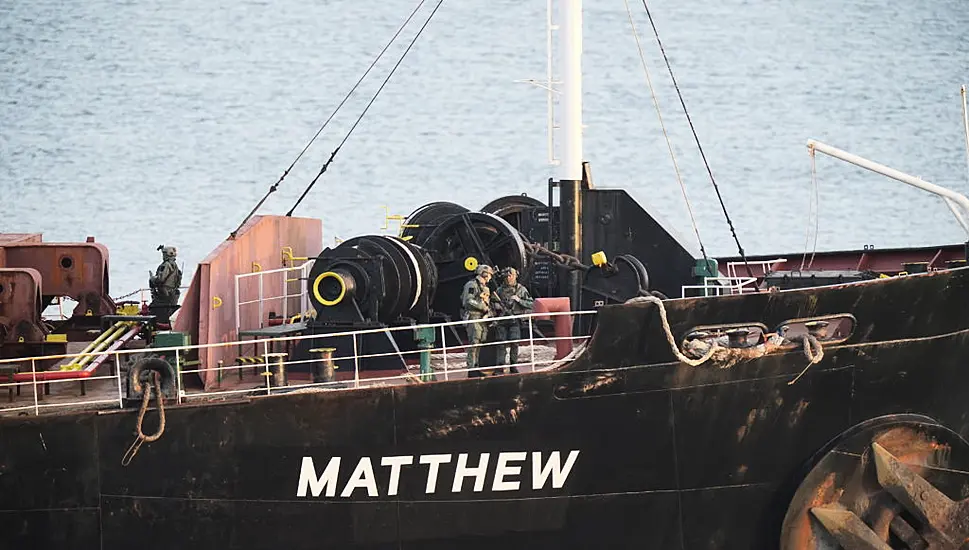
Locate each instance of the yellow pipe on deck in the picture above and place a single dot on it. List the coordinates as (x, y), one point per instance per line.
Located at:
(102, 342)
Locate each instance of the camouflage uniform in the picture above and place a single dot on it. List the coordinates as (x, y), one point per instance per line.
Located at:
(515, 300)
(476, 306)
(166, 280)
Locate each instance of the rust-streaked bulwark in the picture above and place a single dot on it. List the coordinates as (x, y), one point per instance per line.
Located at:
(208, 310)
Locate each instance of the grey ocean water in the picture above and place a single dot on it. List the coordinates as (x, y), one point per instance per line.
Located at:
(144, 123)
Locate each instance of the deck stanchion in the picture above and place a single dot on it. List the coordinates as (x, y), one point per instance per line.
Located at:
(356, 364)
(33, 370)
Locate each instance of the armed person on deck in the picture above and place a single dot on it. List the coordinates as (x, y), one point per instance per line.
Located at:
(514, 300)
(165, 282)
(476, 304)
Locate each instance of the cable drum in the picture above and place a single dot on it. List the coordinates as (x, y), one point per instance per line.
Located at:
(424, 220)
(465, 240)
(384, 276)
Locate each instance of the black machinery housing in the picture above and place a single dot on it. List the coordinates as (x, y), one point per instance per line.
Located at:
(378, 281)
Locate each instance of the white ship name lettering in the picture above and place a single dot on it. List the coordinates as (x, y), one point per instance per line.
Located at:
(504, 473)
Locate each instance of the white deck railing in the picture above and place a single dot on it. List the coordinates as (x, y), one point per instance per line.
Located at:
(718, 286)
(283, 299)
(447, 369)
(766, 267)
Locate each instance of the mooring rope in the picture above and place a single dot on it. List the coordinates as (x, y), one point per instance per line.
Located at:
(727, 357)
(142, 438)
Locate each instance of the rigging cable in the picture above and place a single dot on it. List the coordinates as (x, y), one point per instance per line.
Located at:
(676, 168)
(367, 108)
(965, 122)
(817, 214)
(273, 187)
(697, 138)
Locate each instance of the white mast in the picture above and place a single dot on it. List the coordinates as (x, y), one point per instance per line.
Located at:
(570, 51)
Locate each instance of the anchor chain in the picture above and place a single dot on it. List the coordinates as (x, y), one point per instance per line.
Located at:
(142, 438)
(567, 260)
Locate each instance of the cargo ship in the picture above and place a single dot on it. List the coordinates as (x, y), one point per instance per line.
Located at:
(301, 396)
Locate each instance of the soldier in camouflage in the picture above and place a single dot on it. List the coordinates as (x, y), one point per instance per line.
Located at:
(476, 304)
(165, 281)
(514, 300)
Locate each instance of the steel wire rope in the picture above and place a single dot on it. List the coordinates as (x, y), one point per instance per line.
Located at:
(367, 108)
(273, 187)
(669, 144)
(697, 139)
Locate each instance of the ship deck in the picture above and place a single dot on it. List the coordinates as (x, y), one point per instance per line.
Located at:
(106, 389)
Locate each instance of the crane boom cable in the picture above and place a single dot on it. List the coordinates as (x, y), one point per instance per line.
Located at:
(367, 108)
(697, 139)
(273, 187)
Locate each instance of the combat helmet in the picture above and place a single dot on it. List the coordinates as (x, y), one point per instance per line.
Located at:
(482, 269)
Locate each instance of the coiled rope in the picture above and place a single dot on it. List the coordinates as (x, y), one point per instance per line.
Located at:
(142, 438)
(726, 357)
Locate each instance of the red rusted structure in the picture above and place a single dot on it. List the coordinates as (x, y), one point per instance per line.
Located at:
(75, 270)
(20, 306)
(888, 261)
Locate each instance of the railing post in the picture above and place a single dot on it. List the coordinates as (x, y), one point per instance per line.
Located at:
(178, 378)
(117, 369)
(356, 364)
(260, 301)
(531, 341)
(33, 369)
(285, 275)
(444, 349)
(303, 292)
(265, 355)
(238, 309)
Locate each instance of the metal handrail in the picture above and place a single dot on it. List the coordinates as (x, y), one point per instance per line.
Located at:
(179, 351)
(261, 299)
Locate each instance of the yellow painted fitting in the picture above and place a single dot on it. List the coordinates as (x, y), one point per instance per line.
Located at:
(20, 340)
(88, 313)
(287, 254)
(56, 338)
(316, 288)
(130, 309)
(294, 318)
(216, 302)
(471, 263)
(256, 267)
(599, 259)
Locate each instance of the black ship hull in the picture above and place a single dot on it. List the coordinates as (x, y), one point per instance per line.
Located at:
(625, 447)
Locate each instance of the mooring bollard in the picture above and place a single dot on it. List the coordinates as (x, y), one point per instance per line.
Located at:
(278, 376)
(323, 370)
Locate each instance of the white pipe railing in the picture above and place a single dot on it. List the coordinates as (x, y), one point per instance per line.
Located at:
(181, 352)
(261, 299)
(720, 285)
